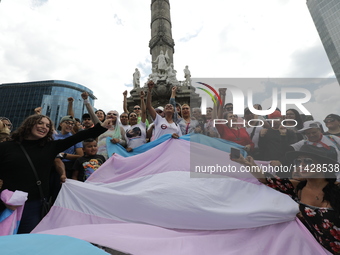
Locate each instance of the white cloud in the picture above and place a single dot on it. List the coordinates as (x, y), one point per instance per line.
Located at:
(99, 44)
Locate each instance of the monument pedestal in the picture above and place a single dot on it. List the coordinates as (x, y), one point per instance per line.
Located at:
(161, 95)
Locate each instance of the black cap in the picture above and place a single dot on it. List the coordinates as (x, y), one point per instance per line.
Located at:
(86, 116)
(323, 155)
(333, 116)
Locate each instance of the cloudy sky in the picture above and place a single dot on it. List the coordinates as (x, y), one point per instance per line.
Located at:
(99, 44)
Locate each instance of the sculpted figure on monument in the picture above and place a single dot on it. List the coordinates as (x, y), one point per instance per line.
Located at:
(171, 74)
(154, 75)
(187, 75)
(162, 62)
(136, 77)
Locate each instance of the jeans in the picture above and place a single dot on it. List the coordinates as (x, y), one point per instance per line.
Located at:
(31, 216)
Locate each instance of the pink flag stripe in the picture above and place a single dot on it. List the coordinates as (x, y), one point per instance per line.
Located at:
(137, 239)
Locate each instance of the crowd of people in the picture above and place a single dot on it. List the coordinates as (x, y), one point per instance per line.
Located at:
(78, 147)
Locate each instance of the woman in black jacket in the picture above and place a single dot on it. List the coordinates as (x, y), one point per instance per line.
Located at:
(35, 136)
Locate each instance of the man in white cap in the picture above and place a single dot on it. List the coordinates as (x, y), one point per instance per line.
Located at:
(312, 130)
(160, 111)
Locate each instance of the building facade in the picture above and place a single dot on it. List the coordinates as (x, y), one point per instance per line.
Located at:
(326, 17)
(18, 100)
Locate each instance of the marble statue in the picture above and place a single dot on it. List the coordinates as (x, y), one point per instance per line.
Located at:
(136, 79)
(162, 62)
(187, 76)
(154, 75)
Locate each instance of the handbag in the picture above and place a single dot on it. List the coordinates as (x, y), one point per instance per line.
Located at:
(46, 206)
(45, 203)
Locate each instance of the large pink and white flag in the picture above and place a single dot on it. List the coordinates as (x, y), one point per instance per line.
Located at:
(152, 203)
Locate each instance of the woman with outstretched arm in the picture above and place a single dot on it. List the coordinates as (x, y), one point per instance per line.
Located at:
(318, 193)
(35, 136)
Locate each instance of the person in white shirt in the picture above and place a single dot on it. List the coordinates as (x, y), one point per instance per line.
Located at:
(329, 143)
(312, 130)
(164, 125)
(124, 121)
(136, 135)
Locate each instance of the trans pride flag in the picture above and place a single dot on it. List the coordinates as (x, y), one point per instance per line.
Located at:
(155, 203)
(9, 219)
(216, 143)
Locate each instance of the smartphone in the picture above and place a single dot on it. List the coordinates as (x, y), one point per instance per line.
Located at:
(234, 153)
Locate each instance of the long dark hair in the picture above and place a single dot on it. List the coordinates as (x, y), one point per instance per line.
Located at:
(331, 193)
(26, 126)
(297, 118)
(99, 110)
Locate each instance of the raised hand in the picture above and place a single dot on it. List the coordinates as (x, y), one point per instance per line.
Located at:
(151, 84)
(222, 91)
(84, 95)
(38, 110)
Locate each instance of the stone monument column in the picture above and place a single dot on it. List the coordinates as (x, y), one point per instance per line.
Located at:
(161, 35)
(163, 72)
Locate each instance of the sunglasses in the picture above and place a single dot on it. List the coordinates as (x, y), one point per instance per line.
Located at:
(229, 108)
(69, 123)
(114, 114)
(329, 120)
(136, 108)
(307, 161)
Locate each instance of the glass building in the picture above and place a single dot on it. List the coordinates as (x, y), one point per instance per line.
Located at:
(18, 100)
(326, 17)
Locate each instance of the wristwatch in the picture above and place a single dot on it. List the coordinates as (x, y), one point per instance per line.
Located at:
(65, 155)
